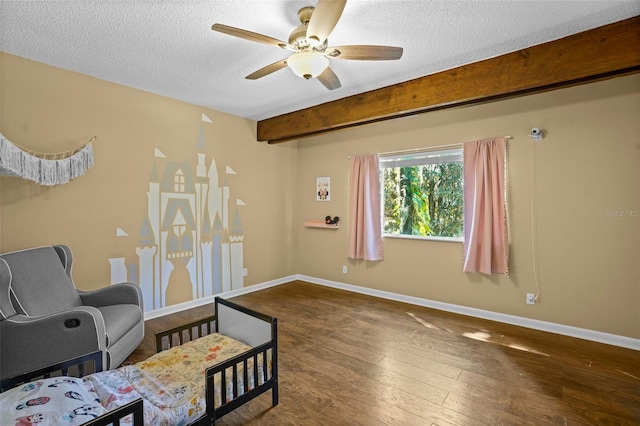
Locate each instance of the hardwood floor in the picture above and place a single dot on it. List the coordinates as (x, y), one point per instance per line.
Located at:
(351, 359)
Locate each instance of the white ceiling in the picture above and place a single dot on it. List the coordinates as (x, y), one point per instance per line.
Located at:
(167, 47)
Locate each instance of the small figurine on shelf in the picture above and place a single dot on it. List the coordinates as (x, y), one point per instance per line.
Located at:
(330, 221)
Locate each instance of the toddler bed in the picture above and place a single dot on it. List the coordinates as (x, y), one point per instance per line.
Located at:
(235, 352)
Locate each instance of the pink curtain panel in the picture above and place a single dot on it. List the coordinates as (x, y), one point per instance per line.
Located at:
(365, 234)
(485, 230)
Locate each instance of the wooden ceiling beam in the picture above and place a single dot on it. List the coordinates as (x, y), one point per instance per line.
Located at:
(604, 52)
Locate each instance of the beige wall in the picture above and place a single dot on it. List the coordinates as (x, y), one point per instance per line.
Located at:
(587, 164)
(50, 110)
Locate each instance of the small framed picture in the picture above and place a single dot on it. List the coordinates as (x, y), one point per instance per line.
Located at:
(323, 189)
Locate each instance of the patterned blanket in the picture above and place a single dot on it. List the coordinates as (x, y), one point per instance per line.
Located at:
(171, 384)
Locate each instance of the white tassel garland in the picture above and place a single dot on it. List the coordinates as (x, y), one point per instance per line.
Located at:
(45, 169)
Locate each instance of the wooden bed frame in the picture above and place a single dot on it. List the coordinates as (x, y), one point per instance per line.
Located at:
(251, 327)
(244, 324)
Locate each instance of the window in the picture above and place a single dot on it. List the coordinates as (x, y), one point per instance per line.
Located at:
(422, 194)
(178, 181)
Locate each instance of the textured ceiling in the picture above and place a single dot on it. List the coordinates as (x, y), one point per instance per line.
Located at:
(168, 47)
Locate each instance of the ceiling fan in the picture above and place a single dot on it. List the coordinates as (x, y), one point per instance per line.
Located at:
(309, 42)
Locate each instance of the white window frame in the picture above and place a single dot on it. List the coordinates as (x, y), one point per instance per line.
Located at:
(417, 157)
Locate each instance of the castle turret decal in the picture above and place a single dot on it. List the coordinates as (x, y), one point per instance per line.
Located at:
(236, 239)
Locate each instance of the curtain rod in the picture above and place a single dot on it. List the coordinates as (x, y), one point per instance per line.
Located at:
(428, 148)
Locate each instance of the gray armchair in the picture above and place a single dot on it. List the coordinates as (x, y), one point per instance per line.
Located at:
(44, 319)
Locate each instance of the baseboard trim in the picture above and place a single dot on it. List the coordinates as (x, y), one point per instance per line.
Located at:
(167, 310)
(566, 330)
(256, 287)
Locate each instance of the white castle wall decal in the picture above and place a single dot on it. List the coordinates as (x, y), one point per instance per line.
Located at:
(187, 248)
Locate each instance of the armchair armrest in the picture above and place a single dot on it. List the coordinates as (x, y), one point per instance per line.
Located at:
(116, 294)
(29, 343)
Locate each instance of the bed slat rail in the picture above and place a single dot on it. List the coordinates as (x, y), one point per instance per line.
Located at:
(113, 417)
(185, 333)
(76, 367)
(269, 379)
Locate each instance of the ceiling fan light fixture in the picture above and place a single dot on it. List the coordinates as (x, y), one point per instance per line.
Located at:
(310, 43)
(307, 64)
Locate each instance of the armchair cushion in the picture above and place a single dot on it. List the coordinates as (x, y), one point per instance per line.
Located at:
(38, 283)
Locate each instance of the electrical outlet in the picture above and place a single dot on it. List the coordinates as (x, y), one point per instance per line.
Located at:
(344, 269)
(531, 299)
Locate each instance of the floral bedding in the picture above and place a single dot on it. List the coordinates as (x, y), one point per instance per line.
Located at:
(171, 383)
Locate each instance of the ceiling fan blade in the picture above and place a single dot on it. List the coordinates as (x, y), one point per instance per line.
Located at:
(329, 79)
(267, 70)
(365, 52)
(324, 19)
(248, 35)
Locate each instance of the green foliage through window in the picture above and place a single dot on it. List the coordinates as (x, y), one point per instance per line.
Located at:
(422, 194)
